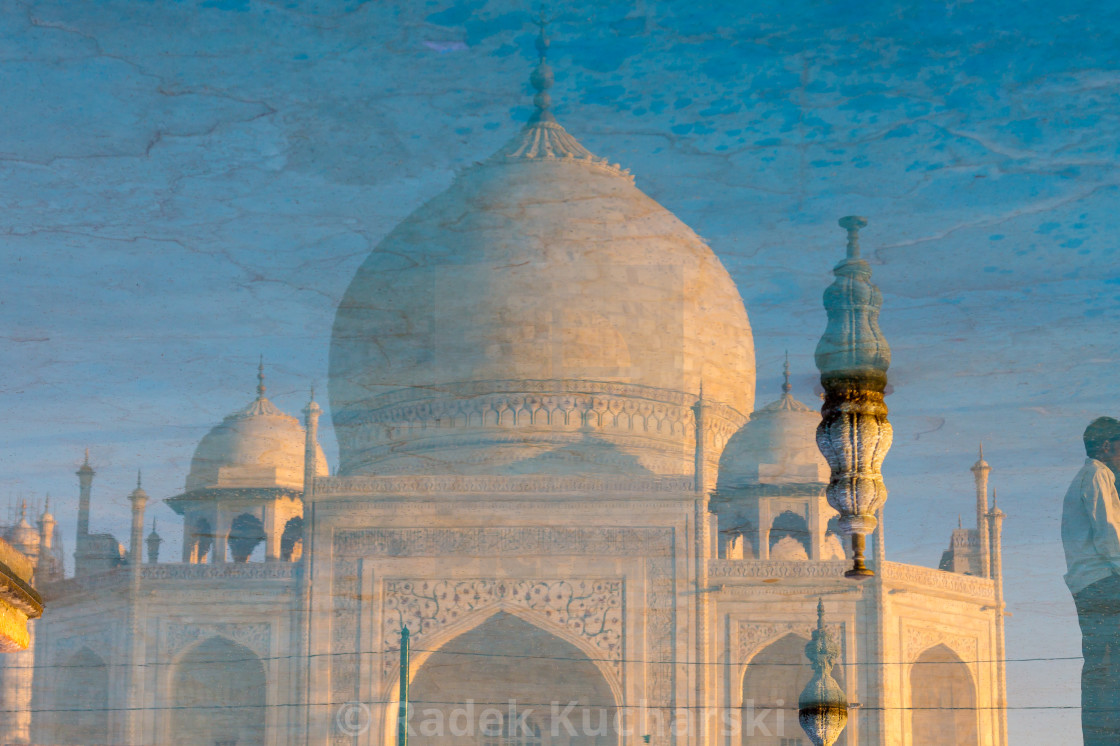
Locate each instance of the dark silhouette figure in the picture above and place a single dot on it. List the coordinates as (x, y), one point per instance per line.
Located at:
(1091, 536)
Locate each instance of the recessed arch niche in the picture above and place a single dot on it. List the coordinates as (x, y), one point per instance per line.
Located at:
(218, 695)
(942, 700)
(462, 692)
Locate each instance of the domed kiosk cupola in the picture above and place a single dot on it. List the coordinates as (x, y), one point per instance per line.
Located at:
(246, 484)
(770, 491)
(540, 316)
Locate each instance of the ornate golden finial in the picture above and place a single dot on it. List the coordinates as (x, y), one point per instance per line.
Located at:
(854, 434)
(260, 379)
(786, 387)
(541, 78)
(822, 708)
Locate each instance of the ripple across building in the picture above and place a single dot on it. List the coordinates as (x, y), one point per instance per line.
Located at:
(553, 473)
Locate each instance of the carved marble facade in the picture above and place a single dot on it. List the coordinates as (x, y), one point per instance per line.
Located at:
(548, 442)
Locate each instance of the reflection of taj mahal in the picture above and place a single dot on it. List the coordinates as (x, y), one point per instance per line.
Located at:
(552, 471)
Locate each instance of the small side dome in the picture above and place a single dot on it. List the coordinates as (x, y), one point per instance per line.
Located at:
(777, 446)
(23, 536)
(258, 446)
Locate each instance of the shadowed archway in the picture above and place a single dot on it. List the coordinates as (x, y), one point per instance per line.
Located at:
(772, 685)
(218, 696)
(943, 700)
(82, 701)
(462, 693)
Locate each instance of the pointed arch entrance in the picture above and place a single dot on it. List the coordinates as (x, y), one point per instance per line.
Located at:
(218, 695)
(509, 682)
(82, 700)
(772, 684)
(943, 700)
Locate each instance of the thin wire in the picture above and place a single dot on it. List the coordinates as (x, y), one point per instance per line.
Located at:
(506, 704)
(526, 656)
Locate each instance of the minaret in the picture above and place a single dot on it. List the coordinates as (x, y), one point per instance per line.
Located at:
(46, 569)
(854, 435)
(980, 472)
(85, 482)
(995, 521)
(135, 673)
(138, 498)
(311, 444)
(153, 541)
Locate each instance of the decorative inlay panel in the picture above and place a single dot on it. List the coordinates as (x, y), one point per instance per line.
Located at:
(588, 608)
(661, 632)
(344, 629)
(916, 640)
(97, 640)
(754, 636)
(254, 636)
(238, 570)
(776, 569)
(451, 485)
(970, 585)
(489, 542)
(656, 545)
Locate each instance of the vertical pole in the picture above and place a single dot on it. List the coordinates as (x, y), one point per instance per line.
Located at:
(402, 712)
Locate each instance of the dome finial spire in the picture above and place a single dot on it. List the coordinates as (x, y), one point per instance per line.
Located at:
(852, 224)
(541, 77)
(786, 387)
(260, 379)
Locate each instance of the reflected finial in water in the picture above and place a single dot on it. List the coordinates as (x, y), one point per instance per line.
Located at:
(852, 224)
(541, 77)
(260, 379)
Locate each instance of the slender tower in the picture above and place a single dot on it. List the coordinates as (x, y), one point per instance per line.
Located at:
(311, 444)
(139, 499)
(46, 569)
(854, 435)
(980, 472)
(153, 541)
(85, 483)
(135, 642)
(995, 521)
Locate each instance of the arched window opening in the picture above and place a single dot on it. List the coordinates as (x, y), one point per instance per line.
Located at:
(737, 542)
(772, 685)
(942, 700)
(789, 525)
(82, 701)
(536, 666)
(245, 533)
(218, 696)
(201, 541)
(291, 540)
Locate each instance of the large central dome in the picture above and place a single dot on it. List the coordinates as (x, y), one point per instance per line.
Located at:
(542, 315)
